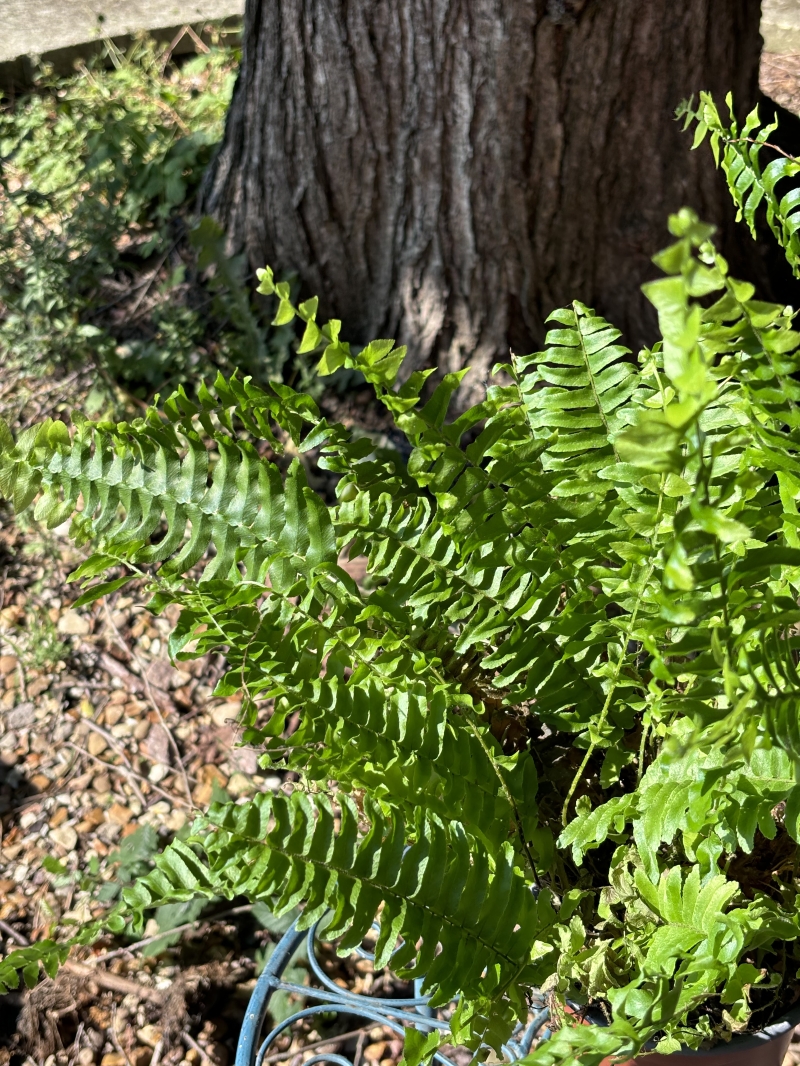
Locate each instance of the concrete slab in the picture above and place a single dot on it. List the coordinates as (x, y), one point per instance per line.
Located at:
(34, 27)
(780, 26)
(38, 27)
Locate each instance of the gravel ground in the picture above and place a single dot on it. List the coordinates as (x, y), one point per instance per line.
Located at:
(100, 736)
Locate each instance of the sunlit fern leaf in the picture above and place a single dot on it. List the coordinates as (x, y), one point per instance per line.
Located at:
(581, 386)
(558, 637)
(440, 893)
(738, 152)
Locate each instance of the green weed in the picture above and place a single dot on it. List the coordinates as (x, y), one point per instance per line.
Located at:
(101, 260)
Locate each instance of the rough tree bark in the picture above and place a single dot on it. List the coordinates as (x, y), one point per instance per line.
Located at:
(446, 172)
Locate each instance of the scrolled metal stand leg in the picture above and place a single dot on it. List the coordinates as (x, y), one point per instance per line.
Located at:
(267, 983)
(394, 1013)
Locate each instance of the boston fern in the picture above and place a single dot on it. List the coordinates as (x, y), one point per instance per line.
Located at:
(553, 741)
(751, 183)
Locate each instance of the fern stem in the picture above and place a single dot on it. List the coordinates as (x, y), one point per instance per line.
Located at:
(645, 733)
(592, 382)
(593, 743)
(761, 144)
(507, 793)
(622, 655)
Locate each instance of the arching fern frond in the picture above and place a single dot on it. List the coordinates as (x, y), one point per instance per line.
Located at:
(738, 152)
(555, 709)
(581, 386)
(467, 920)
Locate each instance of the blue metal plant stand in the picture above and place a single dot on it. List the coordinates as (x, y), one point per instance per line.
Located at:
(329, 998)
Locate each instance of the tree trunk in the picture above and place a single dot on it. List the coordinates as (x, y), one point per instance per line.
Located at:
(446, 172)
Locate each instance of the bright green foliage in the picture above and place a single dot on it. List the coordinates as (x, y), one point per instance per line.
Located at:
(98, 176)
(553, 740)
(440, 891)
(27, 960)
(751, 183)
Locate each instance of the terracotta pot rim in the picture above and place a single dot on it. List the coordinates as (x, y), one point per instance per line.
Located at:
(745, 1042)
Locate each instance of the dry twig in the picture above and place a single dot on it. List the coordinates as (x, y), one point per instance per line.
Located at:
(178, 929)
(185, 31)
(112, 1032)
(120, 750)
(129, 774)
(192, 1043)
(11, 932)
(330, 1041)
(113, 982)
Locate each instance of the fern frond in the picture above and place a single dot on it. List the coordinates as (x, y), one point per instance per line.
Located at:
(582, 386)
(26, 961)
(738, 152)
(467, 921)
(577, 631)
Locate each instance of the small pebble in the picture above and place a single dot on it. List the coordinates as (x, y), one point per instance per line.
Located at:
(119, 814)
(8, 663)
(65, 836)
(112, 713)
(73, 624)
(176, 820)
(141, 729)
(112, 1058)
(240, 785)
(21, 873)
(149, 1035)
(96, 744)
(58, 817)
(225, 713)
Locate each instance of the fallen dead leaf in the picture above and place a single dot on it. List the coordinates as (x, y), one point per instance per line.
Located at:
(119, 814)
(207, 777)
